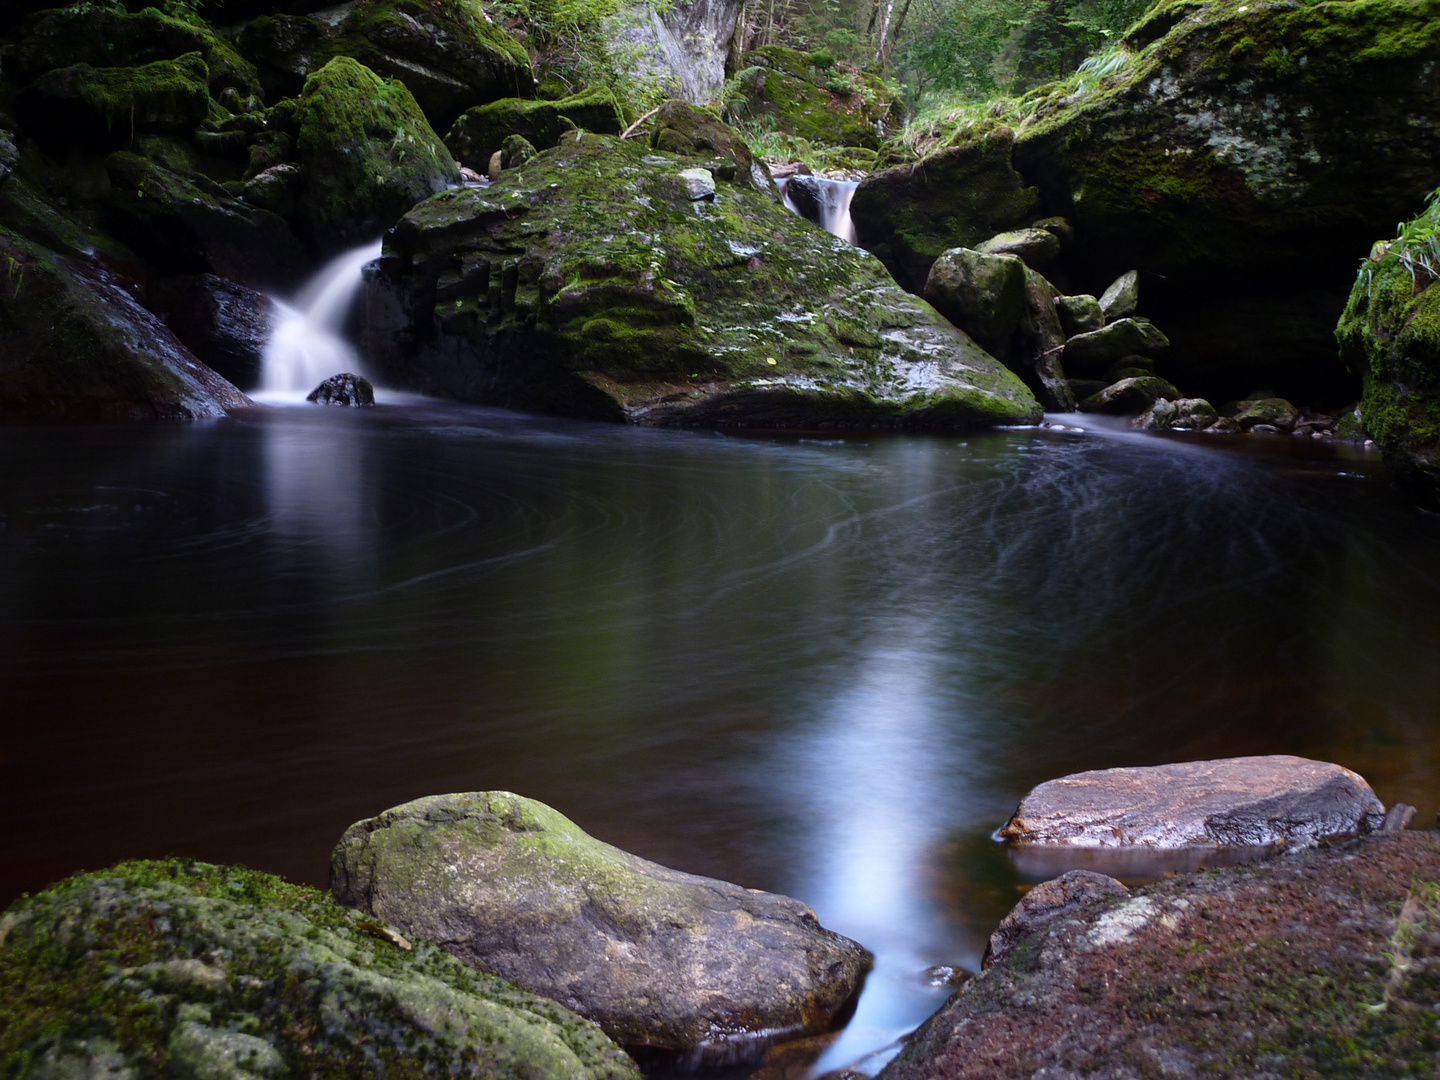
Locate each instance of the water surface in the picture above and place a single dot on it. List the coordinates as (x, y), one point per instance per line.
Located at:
(824, 665)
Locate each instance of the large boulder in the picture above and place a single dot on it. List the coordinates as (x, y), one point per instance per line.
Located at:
(1390, 334)
(603, 279)
(368, 155)
(186, 969)
(959, 196)
(1240, 159)
(223, 323)
(681, 128)
(786, 90)
(660, 959)
(74, 345)
(481, 130)
(1230, 802)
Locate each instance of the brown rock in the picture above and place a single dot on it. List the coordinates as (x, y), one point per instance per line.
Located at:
(1250, 801)
(1049, 900)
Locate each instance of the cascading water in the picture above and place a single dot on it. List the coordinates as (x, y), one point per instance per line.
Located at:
(306, 346)
(824, 201)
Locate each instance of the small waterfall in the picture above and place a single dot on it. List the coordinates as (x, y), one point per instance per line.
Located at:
(306, 346)
(821, 200)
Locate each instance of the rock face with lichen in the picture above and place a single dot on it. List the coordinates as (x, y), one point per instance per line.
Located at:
(186, 969)
(1237, 132)
(1390, 335)
(828, 104)
(663, 961)
(601, 278)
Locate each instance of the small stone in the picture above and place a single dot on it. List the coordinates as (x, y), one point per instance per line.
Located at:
(497, 164)
(345, 389)
(1080, 314)
(1037, 248)
(1263, 429)
(1047, 901)
(699, 184)
(1223, 426)
(1122, 297)
(1129, 397)
(515, 151)
(1273, 412)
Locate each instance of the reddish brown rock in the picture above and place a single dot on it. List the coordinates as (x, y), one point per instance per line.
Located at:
(1049, 900)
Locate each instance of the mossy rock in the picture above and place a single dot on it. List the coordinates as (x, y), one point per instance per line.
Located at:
(799, 108)
(368, 154)
(959, 196)
(590, 282)
(663, 961)
(182, 968)
(688, 130)
(482, 130)
(1390, 334)
(105, 37)
(1238, 131)
(74, 345)
(285, 50)
(190, 225)
(102, 108)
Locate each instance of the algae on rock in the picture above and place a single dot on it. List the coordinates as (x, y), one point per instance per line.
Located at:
(183, 968)
(590, 282)
(368, 154)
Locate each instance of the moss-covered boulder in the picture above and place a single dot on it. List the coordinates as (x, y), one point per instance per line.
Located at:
(1239, 159)
(661, 960)
(785, 89)
(186, 969)
(482, 130)
(1390, 335)
(598, 280)
(107, 107)
(368, 154)
(688, 130)
(74, 345)
(106, 37)
(959, 196)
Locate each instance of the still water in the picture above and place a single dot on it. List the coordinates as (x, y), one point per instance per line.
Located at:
(827, 666)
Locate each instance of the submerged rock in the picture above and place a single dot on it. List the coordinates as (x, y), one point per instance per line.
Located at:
(1236, 802)
(368, 155)
(186, 969)
(74, 345)
(345, 389)
(661, 960)
(589, 281)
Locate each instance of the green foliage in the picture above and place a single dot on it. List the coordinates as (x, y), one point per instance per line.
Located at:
(1416, 248)
(822, 59)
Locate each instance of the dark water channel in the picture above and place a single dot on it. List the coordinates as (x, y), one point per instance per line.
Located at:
(820, 665)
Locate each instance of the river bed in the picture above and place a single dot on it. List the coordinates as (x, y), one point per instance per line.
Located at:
(827, 665)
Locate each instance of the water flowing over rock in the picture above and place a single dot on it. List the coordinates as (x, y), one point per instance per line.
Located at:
(346, 390)
(224, 324)
(588, 281)
(74, 345)
(1235, 802)
(662, 960)
(186, 969)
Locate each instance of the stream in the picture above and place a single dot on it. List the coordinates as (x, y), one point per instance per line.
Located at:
(826, 665)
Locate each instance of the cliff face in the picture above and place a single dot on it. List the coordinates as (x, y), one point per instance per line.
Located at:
(684, 48)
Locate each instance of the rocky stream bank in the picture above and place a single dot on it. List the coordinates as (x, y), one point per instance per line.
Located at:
(486, 935)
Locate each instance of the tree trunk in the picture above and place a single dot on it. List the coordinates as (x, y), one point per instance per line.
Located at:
(884, 34)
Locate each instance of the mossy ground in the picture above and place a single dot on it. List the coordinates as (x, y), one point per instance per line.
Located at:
(134, 961)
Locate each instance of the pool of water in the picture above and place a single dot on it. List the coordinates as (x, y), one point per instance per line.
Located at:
(819, 664)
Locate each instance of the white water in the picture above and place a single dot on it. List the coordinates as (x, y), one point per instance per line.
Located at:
(834, 205)
(306, 346)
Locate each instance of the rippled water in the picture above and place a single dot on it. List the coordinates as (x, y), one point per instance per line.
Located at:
(828, 666)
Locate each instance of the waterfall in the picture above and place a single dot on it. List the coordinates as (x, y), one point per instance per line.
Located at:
(821, 200)
(306, 346)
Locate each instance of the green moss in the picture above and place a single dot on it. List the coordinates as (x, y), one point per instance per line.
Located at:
(108, 106)
(482, 130)
(143, 959)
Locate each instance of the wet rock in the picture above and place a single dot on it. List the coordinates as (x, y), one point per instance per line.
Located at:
(1080, 314)
(224, 324)
(1040, 342)
(590, 283)
(1048, 900)
(1092, 353)
(805, 195)
(368, 154)
(983, 294)
(1039, 249)
(345, 389)
(1129, 397)
(959, 196)
(1249, 801)
(1122, 296)
(1275, 413)
(1183, 414)
(74, 345)
(106, 107)
(228, 974)
(659, 959)
(482, 130)
(1223, 426)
